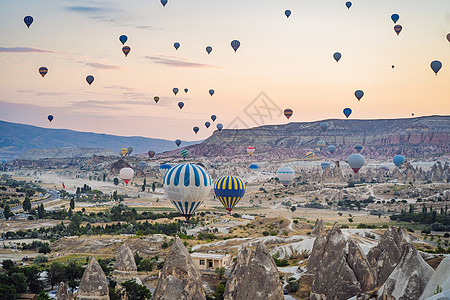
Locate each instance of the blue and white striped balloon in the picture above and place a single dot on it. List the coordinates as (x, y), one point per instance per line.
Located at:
(187, 186)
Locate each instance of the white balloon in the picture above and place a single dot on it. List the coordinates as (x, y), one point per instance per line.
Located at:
(126, 174)
(285, 175)
(356, 161)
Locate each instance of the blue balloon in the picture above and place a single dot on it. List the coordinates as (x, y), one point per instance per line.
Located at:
(323, 126)
(347, 112)
(337, 56)
(196, 129)
(186, 90)
(163, 2)
(436, 66)
(28, 20)
(50, 118)
(180, 105)
(175, 91)
(209, 49)
(331, 148)
(211, 92)
(348, 4)
(90, 79)
(178, 143)
(359, 94)
(325, 165)
(395, 18)
(235, 44)
(219, 126)
(176, 45)
(3, 161)
(253, 167)
(207, 124)
(213, 117)
(398, 160)
(123, 39)
(287, 12)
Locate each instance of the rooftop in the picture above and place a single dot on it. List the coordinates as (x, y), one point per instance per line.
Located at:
(207, 255)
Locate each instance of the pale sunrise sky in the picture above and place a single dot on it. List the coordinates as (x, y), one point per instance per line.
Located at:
(289, 59)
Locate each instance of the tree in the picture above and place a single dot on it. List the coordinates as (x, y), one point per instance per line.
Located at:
(43, 296)
(70, 213)
(8, 292)
(56, 274)
(72, 203)
(26, 204)
(153, 186)
(220, 272)
(350, 220)
(8, 264)
(293, 208)
(115, 196)
(41, 211)
(104, 176)
(136, 291)
(143, 185)
(45, 248)
(7, 212)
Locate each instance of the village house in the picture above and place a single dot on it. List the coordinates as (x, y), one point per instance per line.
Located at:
(211, 261)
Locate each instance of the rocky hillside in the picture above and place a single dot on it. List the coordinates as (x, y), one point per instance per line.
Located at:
(413, 137)
(66, 152)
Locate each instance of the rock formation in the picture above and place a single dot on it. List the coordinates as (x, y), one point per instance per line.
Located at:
(63, 292)
(254, 276)
(179, 279)
(125, 267)
(409, 278)
(93, 285)
(440, 279)
(319, 228)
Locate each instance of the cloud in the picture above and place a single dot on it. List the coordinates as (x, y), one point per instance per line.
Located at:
(83, 9)
(147, 27)
(102, 66)
(24, 50)
(177, 62)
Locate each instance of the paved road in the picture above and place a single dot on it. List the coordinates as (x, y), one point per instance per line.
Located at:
(54, 195)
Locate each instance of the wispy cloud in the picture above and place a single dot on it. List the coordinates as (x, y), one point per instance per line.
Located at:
(177, 62)
(147, 27)
(24, 50)
(83, 9)
(102, 66)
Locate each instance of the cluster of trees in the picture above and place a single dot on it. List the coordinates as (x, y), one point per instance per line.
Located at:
(438, 219)
(15, 280)
(349, 204)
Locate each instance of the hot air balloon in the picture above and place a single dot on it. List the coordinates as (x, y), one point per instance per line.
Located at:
(116, 181)
(211, 92)
(207, 124)
(395, 18)
(176, 45)
(359, 94)
(288, 113)
(164, 168)
(235, 44)
(126, 174)
(43, 71)
(325, 165)
(50, 118)
(412, 114)
(142, 164)
(398, 160)
(356, 161)
(163, 2)
(28, 20)
(196, 129)
(126, 50)
(348, 4)
(337, 56)
(358, 147)
(156, 98)
(129, 150)
(187, 186)
(123, 39)
(310, 154)
(321, 145)
(151, 153)
(436, 66)
(186, 90)
(175, 91)
(250, 150)
(184, 153)
(123, 151)
(324, 126)
(398, 29)
(347, 112)
(287, 12)
(219, 126)
(3, 161)
(392, 66)
(90, 79)
(253, 167)
(331, 148)
(178, 143)
(209, 49)
(448, 37)
(229, 190)
(180, 105)
(285, 175)
(213, 118)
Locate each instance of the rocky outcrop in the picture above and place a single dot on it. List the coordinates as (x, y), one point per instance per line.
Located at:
(385, 256)
(409, 278)
(63, 292)
(117, 166)
(125, 267)
(319, 228)
(179, 278)
(93, 285)
(360, 265)
(440, 281)
(254, 276)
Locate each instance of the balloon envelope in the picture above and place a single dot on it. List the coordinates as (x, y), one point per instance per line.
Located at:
(50, 118)
(358, 147)
(175, 91)
(285, 175)
(288, 113)
(126, 174)
(229, 190)
(219, 126)
(348, 4)
(142, 165)
(123, 39)
(187, 186)
(43, 71)
(325, 165)
(164, 168)
(123, 151)
(184, 153)
(398, 29)
(398, 160)
(90, 79)
(331, 148)
(250, 150)
(126, 50)
(337, 56)
(209, 49)
(310, 154)
(359, 94)
(395, 18)
(186, 90)
(324, 126)
(235, 44)
(321, 145)
(156, 99)
(163, 2)
(356, 161)
(196, 129)
(347, 112)
(287, 12)
(211, 92)
(436, 66)
(151, 153)
(176, 45)
(129, 150)
(213, 117)
(28, 20)
(178, 142)
(207, 124)
(180, 105)
(448, 37)
(253, 167)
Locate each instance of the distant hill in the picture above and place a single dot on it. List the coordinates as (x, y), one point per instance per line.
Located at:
(413, 137)
(16, 139)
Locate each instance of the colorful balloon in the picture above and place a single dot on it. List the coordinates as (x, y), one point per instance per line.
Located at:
(285, 175)
(209, 49)
(253, 167)
(126, 50)
(235, 44)
(337, 56)
(43, 71)
(287, 12)
(436, 66)
(90, 79)
(164, 168)
(196, 129)
(395, 18)
(187, 186)
(211, 92)
(175, 91)
(325, 165)
(176, 45)
(398, 29)
(207, 124)
(398, 160)
(288, 113)
(347, 112)
(123, 39)
(331, 148)
(184, 153)
(348, 4)
(180, 105)
(163, 2)
(321, 145)
(250, 150)
(229, 190)
(324, 126)
(359, 94)
(156, 98)
(126, 174)
(151, 153)
(123, 151)
(358, 147)
(178, 142)
(213, 117)
(310, 154)
(28, 21)
(50, 118)
(356, 161)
